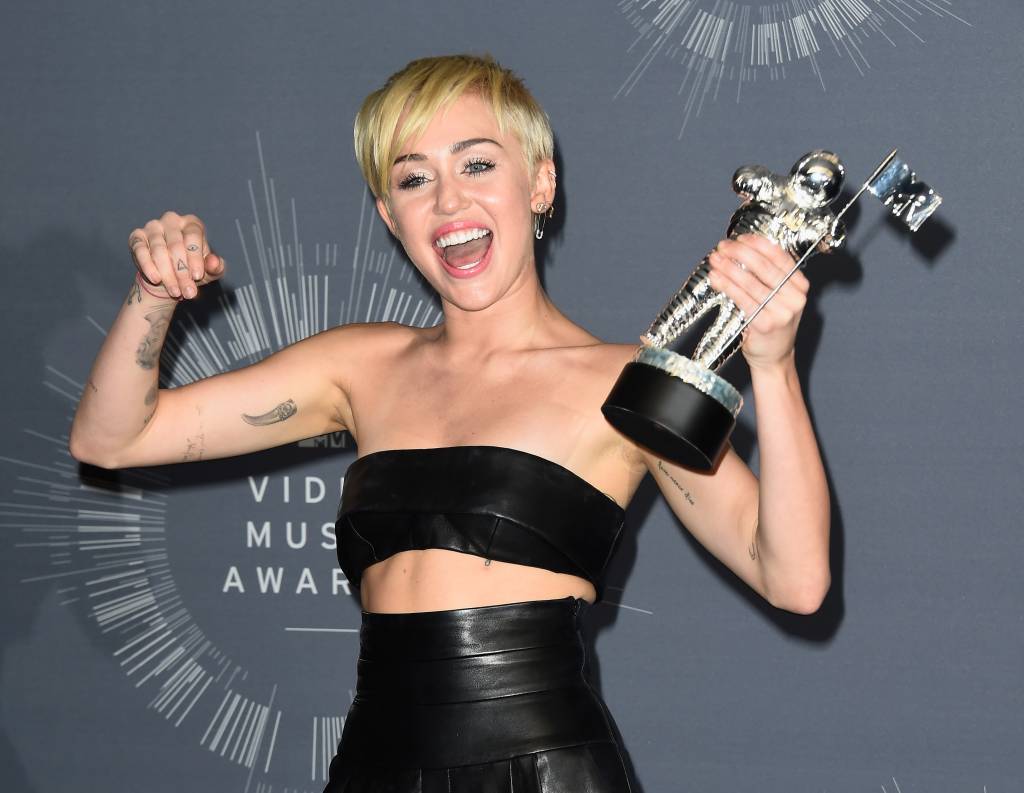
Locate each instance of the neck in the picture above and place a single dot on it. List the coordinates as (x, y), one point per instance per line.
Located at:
(521, 319)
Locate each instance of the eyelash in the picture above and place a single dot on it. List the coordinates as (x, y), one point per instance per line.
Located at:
(410, 182)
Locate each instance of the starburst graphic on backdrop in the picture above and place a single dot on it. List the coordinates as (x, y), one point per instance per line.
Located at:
(107, 547)
(726, 46)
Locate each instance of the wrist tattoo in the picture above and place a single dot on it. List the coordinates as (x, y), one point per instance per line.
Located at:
(683, 490)
(147, 355)
(134, 294)
(281, 412)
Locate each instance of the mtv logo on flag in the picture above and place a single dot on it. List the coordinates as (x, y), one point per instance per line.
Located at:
(897, 187)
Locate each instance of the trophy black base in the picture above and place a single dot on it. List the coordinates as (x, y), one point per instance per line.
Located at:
(670, 417)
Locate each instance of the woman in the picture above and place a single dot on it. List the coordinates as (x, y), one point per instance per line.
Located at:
(489, 491)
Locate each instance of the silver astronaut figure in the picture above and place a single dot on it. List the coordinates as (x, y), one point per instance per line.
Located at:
(791, 210)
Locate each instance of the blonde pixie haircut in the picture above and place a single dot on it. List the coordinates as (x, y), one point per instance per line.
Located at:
(429, 84)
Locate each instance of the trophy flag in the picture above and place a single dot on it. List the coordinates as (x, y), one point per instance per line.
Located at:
(897, 187)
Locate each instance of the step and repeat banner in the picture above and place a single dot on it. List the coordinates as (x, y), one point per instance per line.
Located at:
(186, 627)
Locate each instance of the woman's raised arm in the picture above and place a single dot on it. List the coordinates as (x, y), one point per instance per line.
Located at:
(124, 419)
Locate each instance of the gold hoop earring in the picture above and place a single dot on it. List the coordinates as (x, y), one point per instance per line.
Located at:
(540, 218)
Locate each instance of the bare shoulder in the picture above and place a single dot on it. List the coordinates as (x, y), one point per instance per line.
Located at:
(351, 354)
(601, 364)
(604, 360)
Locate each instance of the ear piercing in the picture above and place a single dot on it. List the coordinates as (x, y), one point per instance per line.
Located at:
(542, 212)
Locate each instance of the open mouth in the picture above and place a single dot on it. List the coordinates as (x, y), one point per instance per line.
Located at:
(464, 249)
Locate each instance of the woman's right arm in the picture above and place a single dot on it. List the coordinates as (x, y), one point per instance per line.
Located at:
(124, 419)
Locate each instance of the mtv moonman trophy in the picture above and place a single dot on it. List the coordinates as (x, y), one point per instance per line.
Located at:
(675, 404)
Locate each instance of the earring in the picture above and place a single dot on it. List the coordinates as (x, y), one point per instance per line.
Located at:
(543, 212)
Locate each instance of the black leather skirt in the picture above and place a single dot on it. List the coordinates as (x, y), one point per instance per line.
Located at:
(492, 699)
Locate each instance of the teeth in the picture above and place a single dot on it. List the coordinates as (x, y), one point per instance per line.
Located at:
(467, 266)
(458, 237)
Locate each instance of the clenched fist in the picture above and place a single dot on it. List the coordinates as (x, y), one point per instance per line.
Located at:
(173, 256)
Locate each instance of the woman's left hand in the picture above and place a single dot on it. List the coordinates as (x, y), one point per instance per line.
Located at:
(747, 269)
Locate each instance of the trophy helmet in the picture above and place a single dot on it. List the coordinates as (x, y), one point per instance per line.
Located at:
(816, 179)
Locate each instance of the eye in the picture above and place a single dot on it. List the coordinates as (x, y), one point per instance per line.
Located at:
(478, 165)
(412, 180)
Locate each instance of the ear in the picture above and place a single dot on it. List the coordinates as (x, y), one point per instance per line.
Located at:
(543, 184)
(385, 213)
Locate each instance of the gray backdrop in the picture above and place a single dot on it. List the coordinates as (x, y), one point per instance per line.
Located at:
(144, 644)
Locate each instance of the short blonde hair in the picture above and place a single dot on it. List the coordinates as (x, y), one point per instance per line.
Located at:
(427, 85)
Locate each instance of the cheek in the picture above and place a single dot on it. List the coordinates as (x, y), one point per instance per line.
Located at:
(510, 207)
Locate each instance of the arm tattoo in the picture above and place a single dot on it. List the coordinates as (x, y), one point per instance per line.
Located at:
(683, 490)
(149, 399)
(148, 354)
(280, 413)
(195, 447)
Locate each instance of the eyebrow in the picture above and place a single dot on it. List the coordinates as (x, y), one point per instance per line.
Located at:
(455, 148)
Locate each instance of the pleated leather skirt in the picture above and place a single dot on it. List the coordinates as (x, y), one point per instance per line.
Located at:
(492, 699)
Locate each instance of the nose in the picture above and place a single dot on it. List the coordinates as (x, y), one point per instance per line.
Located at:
(449, 196)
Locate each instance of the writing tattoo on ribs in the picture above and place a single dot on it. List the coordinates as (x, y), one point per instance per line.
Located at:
(683, 490)
(148, 354)
(752, 550)
(281, 412)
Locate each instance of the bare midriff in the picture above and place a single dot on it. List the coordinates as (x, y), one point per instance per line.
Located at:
(435, 579)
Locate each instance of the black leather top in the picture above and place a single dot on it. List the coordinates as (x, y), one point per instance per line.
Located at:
(490, 501)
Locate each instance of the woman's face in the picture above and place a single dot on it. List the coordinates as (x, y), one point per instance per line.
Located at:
(461, 205)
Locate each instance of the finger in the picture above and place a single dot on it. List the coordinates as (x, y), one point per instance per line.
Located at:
(192, 238)
(750, 260)
(176, 249)
(768, 272)
(770, 249)
(214, 265)
(770, 317)
(738, 271)
(722, 279)
(778, 257)
(139, 246)
(162, 258)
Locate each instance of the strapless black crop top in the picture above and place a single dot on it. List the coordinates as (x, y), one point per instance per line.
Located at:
(490, 501)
